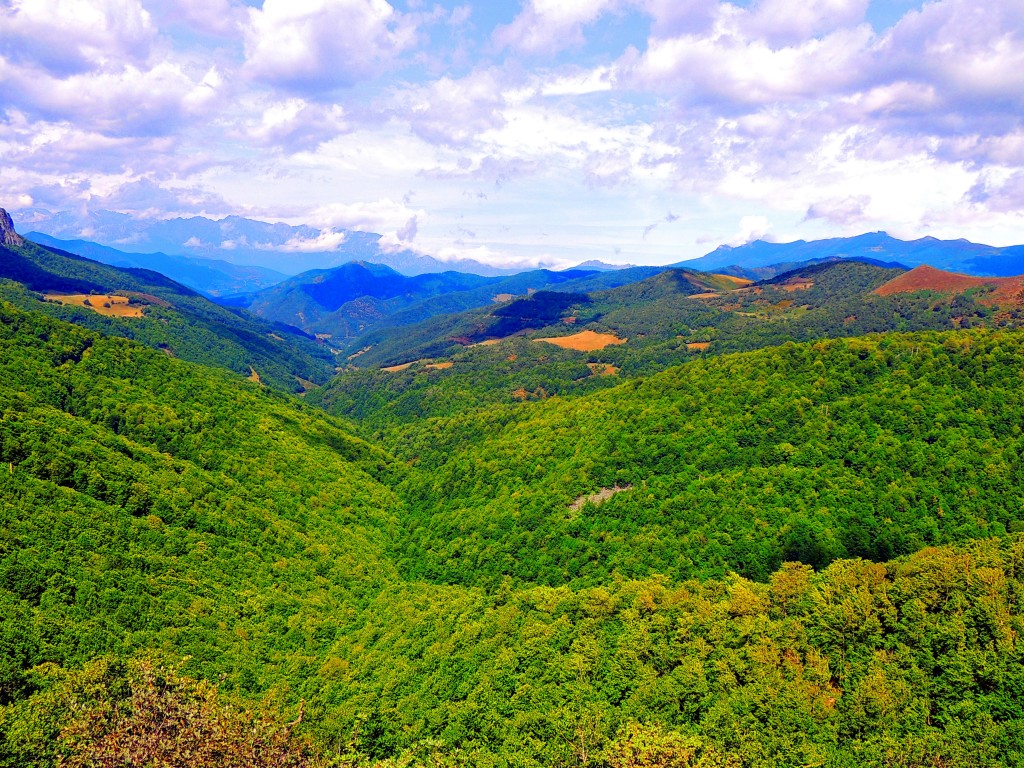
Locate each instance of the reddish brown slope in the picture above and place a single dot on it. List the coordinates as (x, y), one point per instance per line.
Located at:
(1006, 290)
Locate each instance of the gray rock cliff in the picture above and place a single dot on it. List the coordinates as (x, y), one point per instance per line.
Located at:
(8, 236)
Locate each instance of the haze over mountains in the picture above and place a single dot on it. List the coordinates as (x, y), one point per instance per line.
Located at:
(270, 250)
(238, 240)
(214, 277)
(159, 312)
(953, 255)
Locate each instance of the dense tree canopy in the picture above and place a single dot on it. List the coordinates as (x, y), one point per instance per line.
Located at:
(805, 555)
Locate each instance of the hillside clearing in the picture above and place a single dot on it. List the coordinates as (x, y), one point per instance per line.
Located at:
(104, 304)
(734, 279)
(585, 341)
(1001, 290)
(597, 498)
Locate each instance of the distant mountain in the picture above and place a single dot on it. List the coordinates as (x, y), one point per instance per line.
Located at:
(241, 241)
(348, 301)
(153, 309)
(213, 277)
(773, 270)
(992, 290)
(958, 255)
(602, 266)
(647, 302)
(342, 301)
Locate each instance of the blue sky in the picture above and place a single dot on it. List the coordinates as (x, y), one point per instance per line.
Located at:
(542, 131)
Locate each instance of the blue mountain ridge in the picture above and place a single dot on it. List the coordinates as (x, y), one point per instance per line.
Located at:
(953, 255)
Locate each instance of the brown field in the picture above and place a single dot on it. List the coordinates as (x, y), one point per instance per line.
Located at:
(1007, 290)
(503, 297)
(735, 280)
(397, 368)
(440, 366)
(585, 341)
(253, 376)
(699, 346)
(118, 305)
(797, 284)
(705, 295)
(488, 343)
(603, 369)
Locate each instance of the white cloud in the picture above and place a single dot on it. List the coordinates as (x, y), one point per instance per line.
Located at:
(293, 124)
(453, 112)
(548, 26)
(677, 17)
(751, 228)
(68, 36)
(218, 18)
(382, 216)
(734, 72)
(327, 240)
(316, 46)
(787, 22)
(160, 97)
(971, 54)
(845, 211)
(790, 116)
(579, 83)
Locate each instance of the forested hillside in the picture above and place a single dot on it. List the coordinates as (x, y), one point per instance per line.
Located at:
(164, 315)
(869, 447)
(354, 300)
(671, 318)
(149, 504)
(465, 594)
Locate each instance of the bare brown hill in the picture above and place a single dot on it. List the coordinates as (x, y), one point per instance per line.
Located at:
(1003, 290)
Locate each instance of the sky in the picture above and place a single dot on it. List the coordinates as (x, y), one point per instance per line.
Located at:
(537, 131)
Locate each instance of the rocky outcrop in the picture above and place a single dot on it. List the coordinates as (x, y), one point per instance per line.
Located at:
(8, 236)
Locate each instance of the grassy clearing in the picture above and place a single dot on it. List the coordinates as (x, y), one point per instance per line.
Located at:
(585, 341)
(110, 305)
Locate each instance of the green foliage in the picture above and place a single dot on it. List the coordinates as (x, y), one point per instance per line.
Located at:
(137, 713)
(664, 326)
(176, 319)
(149, 503)
(448, 604)
(851, 448)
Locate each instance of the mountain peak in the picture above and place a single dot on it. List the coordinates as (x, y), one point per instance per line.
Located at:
(602, 266)
(8, 236)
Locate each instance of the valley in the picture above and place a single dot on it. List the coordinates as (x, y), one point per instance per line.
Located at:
(660, 517)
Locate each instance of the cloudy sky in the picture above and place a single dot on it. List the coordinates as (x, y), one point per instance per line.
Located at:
(641, 131)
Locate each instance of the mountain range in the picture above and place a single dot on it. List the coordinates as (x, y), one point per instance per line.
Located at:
(290, 250)
(348, 301)
(240, 241)
(145, 305)
(953, 255)
(214, 277)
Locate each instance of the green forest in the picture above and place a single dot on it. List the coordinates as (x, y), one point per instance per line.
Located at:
(789, 550)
